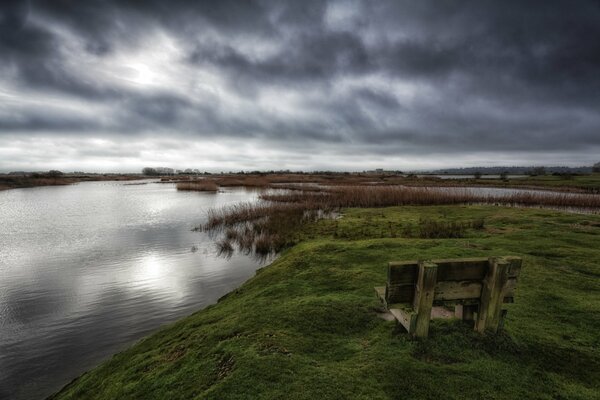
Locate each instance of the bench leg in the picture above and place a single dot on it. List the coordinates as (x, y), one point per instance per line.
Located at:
(423, 300)
(492, 296)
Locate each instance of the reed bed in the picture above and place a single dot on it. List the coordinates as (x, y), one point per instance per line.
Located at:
(262, 228)
(200, 186)
(240, 180)
(273, 224)
(273, 180)
(386, 196)
(230, 216)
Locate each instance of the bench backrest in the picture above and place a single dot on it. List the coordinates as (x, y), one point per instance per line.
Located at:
(458, 281)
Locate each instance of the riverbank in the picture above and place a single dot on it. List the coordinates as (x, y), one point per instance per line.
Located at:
(307, 325)
(35, 180)
(584, 183)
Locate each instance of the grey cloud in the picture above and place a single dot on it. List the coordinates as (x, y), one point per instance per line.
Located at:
(480, 76)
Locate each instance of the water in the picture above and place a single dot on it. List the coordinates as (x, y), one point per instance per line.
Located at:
(88, 269)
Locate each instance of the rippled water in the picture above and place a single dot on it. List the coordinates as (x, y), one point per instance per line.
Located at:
(87, 269)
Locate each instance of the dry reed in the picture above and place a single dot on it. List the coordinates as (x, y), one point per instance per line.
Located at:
(200, 186)
(271, 225)
(386, 196)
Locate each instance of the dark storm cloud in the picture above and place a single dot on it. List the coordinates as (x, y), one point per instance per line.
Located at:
(387, 77)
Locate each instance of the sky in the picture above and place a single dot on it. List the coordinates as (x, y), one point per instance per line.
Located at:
(302, 85)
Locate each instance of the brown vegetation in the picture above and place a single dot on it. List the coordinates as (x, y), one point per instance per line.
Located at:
(259, 228)
(272, 224)
(386, 196)
(241, 180)
(200, 186)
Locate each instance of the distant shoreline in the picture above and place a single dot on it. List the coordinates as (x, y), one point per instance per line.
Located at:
(28, 181)
(580, 183)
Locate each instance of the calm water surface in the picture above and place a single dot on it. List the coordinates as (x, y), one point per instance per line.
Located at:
(87, 269)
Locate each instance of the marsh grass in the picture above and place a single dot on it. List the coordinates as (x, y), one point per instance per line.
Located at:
(439, 229)
(241, 180)
(271, 225)
(263, 228)
(199, 186)
(386, 196)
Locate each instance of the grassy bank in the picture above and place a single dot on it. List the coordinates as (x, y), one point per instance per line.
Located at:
(306, 326)
(587, 183)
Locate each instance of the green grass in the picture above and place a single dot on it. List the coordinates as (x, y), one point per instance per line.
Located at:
(306, 327)
(587, 182)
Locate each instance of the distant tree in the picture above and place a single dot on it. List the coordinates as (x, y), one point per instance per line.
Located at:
(537, 171)
(504, 176)
(149, 171)
(54, 173)
(477, 175)
(596, 167)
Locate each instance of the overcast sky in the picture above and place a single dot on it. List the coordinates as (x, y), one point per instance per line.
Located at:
(346, 85)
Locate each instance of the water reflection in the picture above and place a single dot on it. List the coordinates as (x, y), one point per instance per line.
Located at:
(85, 270)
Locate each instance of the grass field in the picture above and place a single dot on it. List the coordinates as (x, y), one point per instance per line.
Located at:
(585, 183)
(306, 327)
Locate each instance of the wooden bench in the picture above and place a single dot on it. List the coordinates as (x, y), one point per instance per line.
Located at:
(475, 287)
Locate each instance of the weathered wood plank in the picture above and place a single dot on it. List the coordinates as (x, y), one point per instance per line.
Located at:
(402, 272)
(407, 318)
(462, 269)
(451, 269)
(449, 292)
(465, 290)
(400, 293)
(423, 300)
(455, 290)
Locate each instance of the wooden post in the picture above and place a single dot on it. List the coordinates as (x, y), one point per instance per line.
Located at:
(492, 295)
(423, 300)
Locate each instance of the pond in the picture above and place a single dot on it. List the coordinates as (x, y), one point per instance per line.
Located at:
(88, 269)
